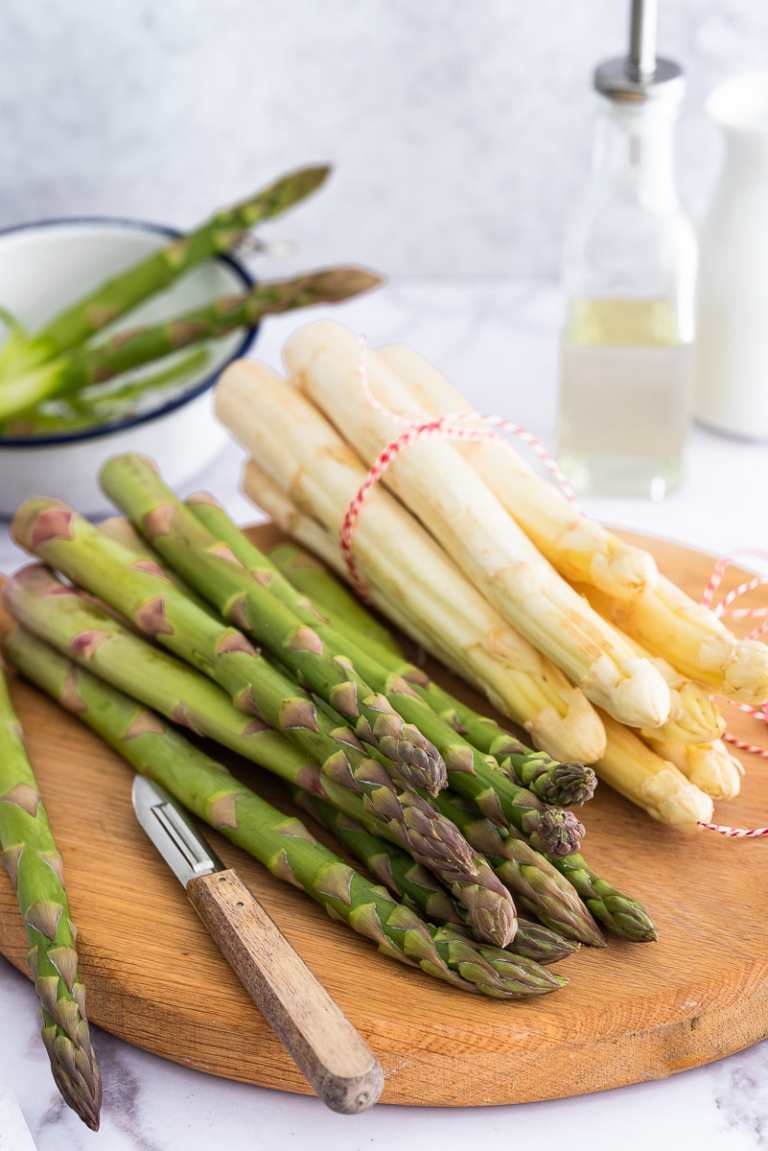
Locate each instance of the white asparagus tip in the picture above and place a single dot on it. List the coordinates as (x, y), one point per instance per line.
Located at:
(628, 571)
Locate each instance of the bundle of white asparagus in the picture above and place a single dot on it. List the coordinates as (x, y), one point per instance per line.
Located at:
(470, 553)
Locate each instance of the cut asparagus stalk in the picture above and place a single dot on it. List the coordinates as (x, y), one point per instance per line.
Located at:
(564, 784)
(350, 779)
(444, 491)
(691, 638)
(473, 774)
(120, 529)
(84, 410)
(578, 547)
(631, 768)
(396, 554)
(140, 591)
(708, 766)
(79, 629)
(417, 888)
(35, 866)
(158, 271)
(281, 843)
(88, 365)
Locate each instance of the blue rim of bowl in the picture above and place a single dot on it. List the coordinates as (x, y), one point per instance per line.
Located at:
(178, 401)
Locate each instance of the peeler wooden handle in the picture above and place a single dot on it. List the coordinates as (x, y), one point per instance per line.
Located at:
(328, 1050)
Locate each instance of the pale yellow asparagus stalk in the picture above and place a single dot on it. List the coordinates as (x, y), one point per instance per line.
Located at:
(438, 485)
(630, 767)
(626, 764)
(579, 548)
(710, 766)
(263, 490)
(691, 638)
(305, 457)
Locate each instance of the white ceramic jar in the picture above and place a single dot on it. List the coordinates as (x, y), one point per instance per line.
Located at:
(731, 357)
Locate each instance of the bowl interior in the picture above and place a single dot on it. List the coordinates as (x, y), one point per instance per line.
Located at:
(45, 267)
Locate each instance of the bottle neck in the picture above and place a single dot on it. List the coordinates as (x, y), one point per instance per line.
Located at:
(633, 154)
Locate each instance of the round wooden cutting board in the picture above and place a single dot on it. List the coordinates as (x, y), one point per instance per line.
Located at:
(629, 1013)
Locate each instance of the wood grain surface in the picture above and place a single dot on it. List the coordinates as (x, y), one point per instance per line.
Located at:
(630, 1013)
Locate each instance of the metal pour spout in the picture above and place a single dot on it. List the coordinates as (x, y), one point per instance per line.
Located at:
(640, 75)
(641, 62)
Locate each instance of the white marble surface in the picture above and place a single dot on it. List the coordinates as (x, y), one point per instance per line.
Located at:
(497, 340)
(460, 132)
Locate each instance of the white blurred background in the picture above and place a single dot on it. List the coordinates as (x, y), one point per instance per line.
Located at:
(460, 132)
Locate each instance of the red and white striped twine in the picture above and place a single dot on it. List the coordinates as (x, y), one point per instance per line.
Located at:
(724, 609)
(735, 832)
(445, 427)
(441, 427)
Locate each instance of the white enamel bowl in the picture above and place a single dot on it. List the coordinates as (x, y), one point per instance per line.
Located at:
(44, 267)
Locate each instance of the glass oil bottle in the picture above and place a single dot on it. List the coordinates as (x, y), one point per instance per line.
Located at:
(629, 281)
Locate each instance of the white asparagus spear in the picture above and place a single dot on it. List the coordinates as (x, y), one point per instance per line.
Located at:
(691, 638)
(264, 492)
(710, 766)
(626, 764)
(438, 485)
(579, 548)
(655, 784)
(694, 717)
(499, 664)
(306, 458)
(582, 550)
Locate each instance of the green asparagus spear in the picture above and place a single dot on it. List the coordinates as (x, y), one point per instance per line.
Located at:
(313, 579)
(356, 784)
(214, 571)
(418, 889)
(281, 843)
(535, 884)
(88, 365)
(80, 629)
(34, 864)
(158, 271)
(141, 592)
(562, 784)
(120, 529)
(90, 409)
(526, 874)
(621, 916)
(235, 576)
